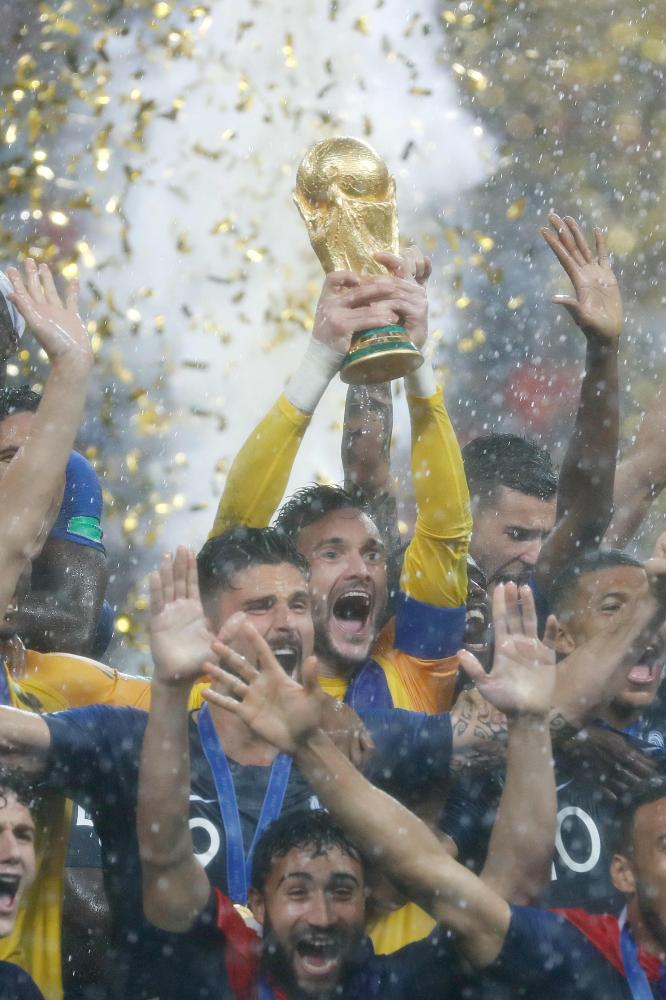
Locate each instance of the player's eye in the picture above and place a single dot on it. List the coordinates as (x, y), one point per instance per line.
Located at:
(518, 534)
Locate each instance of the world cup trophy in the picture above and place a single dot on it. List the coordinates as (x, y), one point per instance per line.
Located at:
(346, 198)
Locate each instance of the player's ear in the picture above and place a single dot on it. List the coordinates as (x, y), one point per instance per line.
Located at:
(257, 905)
(622, 874)
(564, 642)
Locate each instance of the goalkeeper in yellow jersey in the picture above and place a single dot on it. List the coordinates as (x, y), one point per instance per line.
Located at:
(411, 664)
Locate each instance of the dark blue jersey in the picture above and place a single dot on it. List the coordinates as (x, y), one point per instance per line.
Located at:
(94, 759)
(15, 984)
(80, 516)
(547, 956)
(586, 829)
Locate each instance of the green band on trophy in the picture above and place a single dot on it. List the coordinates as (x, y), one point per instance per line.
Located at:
(380, 355)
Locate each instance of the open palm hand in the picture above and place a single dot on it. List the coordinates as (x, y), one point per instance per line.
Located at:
(597, 307)
(276, 707)
(522, 679)
(180, 640)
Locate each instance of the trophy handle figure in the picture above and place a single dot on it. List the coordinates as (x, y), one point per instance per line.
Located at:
(346, 198)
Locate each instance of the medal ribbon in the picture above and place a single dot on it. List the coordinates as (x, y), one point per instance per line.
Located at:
(239, 866)
(5, 693)
(636, 978)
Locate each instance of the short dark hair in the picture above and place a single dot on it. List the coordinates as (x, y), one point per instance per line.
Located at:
(18, 399)
(650, 790)
(566, 583)
(313, 829)
(310, 503)
(23, 788)
(511, 461)
(233, 551)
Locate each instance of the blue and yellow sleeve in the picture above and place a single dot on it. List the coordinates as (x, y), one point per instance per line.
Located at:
(421, 667)
(434, 570)
(260, 472)
(80, 516)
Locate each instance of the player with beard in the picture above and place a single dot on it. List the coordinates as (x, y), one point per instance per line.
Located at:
(594, 593)
(92, 754)
(561, 954)
(412, 664)
(310, 891)
(528, 525)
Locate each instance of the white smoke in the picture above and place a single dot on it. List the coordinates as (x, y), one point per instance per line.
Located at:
(217, 245)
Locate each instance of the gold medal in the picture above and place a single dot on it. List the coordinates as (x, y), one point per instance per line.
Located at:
(246, 913)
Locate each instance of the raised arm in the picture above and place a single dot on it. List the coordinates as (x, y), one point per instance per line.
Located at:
(35, 473)
(366, 462)
(24, 742)
(593, 673)
(641, 476)
(520, 853)
(367, 430)
(260, 472)
(585, 488)
(587, 679)
(286, 714)
(435, 564)
(175, 886)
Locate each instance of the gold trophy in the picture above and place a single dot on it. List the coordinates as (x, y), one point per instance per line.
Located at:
(346, 198)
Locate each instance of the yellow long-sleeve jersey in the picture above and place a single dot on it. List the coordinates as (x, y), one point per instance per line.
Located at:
(416, 654)
(413, 663)
(52, 682)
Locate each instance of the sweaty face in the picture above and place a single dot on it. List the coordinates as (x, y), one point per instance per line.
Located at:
(277, 602)
(508, 534)
(347, 583)
(599, 597)
(313, 912)
(17, 858)
(649, 866)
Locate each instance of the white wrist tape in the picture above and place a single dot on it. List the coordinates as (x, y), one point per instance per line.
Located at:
(310, 380)
(17, 321)
(422, 382)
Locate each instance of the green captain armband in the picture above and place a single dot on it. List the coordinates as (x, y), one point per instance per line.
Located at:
(85, 527)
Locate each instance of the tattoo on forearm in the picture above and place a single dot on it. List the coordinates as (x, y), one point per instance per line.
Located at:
(368, 412)
(560, 728)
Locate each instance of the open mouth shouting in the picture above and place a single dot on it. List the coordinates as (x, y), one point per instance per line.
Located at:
(646, 671)
(10, 884)
(317, 958)
(288, 654)
(352, 616)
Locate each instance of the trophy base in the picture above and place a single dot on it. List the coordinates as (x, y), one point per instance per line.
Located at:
(380, 355)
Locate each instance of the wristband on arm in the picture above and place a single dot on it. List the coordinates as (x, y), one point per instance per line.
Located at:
(422, 382)
(311, 379)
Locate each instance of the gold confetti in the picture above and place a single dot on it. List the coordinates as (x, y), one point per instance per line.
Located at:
(516, 210)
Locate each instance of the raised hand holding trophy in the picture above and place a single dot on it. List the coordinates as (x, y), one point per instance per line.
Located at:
(346, 198)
